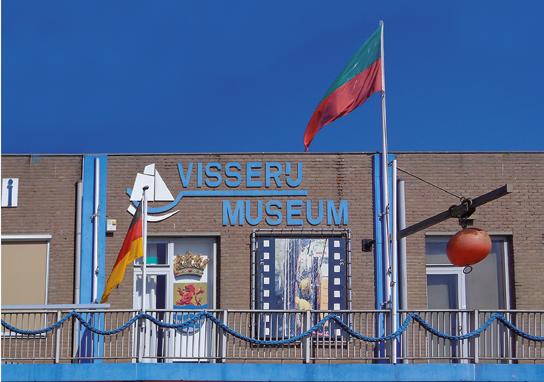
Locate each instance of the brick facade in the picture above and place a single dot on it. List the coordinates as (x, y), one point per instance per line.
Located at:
(520, 214)
(335, 177)
(47, 205)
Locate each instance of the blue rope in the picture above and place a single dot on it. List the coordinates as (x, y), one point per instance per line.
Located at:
(196, 318)
(96, 330)
(474, 333)
(397, 333)
(518, 331)
(54, 326)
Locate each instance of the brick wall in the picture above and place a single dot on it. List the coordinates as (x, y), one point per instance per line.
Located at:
(47, 205)
(327, 176)
(471, 174)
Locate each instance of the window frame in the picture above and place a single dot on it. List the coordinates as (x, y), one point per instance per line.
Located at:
(32, 238)
(170, 239)
(505, 282)
(461, 282)
(29, 238)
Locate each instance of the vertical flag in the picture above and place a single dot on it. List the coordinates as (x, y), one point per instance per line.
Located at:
(131, 249)
(361, 78)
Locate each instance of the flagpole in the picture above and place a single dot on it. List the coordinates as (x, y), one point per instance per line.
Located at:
(96, 212)
(144, 244)
(385, 186)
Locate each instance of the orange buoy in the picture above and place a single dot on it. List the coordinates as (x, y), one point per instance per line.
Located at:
(469, 246)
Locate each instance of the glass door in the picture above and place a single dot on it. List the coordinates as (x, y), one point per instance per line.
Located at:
(193, 290)
(180, 277)
(155, 338)
(444, 289)
(446, 295)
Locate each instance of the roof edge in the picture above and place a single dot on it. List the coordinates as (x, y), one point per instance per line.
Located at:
(278, 153)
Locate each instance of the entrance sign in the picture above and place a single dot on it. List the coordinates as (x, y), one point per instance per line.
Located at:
(265, 192)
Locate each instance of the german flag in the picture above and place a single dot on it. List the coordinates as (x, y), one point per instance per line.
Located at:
(132, 249)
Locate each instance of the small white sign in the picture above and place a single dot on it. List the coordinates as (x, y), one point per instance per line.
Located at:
(10, 190)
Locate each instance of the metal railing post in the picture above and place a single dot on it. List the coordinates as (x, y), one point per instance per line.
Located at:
(477, 338)
(140, 339)
(75, 338)
(307, 344)
(224, 337)
(392, 328)
(57, 338)
(510, 338)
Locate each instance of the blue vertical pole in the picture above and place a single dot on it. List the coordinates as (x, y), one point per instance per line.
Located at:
(380, 270)
(91, 345)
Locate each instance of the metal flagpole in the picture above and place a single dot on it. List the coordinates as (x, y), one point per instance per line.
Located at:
(394, 262)
(401, 270)
(142, 336)
(390, 298)
(144, 243)
(96, 211)
(385, 186)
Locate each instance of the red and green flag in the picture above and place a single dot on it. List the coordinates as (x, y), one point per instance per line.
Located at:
(131, 249)
(361, 78)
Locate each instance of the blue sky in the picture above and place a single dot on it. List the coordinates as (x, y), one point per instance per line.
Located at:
(222, 76)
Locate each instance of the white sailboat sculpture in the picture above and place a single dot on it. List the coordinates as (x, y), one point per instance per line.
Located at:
(157, 192)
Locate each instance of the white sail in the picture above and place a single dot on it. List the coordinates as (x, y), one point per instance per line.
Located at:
(150, 169)
(158, 191)
(162, 193)
(141, 181)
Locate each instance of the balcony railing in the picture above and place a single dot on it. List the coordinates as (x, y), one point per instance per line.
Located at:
(513, 336)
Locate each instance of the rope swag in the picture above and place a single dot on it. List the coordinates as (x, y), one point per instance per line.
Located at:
(197, 318)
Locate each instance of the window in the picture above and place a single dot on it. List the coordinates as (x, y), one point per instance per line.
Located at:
(24, 270)
(166, 283)
(487, 286)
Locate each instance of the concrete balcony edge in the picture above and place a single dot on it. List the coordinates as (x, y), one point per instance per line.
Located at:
(271, 372)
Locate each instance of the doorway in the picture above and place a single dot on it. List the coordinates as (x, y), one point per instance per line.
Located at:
(180, 279)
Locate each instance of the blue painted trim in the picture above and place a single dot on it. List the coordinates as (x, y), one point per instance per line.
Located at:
(378, 249)
(102, 223)
(86, 261)
(379, 234)
(86, 270)
(378, 242)
(102, 212)
(379, 237)
(221, 193)
(272, 372)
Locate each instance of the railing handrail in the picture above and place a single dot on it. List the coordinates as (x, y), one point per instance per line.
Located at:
(14, 311)
(511, 310)
(301, 335)
(103, 308)
(435, 310)
(471, 310)
(55, 307)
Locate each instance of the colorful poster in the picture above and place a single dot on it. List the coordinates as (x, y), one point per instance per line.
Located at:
(307, 273)
(302, 273)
